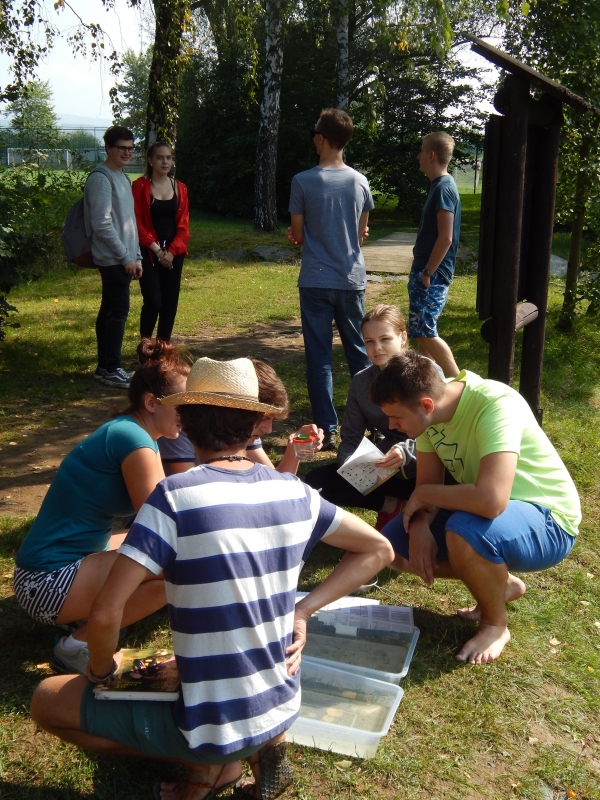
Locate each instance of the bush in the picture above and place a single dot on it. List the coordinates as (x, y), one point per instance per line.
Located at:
(33, 206)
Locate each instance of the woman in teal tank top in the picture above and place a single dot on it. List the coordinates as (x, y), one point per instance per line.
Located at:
(70, 549)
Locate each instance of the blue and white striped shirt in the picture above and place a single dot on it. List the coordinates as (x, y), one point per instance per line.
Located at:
(231, 544)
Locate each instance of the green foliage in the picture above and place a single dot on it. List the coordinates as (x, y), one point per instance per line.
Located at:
(33, 207)
(399, 90)
(131, 101)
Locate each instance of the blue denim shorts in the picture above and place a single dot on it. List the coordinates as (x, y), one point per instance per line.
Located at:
(425, 305)
(525, 536)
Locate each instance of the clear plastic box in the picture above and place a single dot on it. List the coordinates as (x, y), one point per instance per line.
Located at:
(371, 640)
(343, 712)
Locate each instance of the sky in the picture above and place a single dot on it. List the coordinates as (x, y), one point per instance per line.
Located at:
(81, 86)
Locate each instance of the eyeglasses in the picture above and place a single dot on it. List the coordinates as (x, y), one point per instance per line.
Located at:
(313, 132)
(124, 150)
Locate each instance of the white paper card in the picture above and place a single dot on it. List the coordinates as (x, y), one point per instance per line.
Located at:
(360, 470)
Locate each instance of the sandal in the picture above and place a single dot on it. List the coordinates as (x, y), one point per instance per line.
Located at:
(275, 774)
(185, 793)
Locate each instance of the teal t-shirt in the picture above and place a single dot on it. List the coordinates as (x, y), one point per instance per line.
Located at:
(491, 417)
(85, 498)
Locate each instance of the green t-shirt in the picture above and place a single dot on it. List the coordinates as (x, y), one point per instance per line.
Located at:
(493, 418)
(86, 497)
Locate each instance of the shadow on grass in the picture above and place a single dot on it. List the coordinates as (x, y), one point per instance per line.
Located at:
(131, 778)
(21, 791)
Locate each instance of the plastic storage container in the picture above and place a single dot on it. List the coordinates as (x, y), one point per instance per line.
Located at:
(375, 641)
(343, 712)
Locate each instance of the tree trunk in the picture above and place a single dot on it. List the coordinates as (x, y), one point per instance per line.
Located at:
(165, 72)
(265, 196)
(343, 59)
(582, 189)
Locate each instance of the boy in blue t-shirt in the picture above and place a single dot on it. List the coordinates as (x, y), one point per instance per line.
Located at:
(329, 207)
(434, 253)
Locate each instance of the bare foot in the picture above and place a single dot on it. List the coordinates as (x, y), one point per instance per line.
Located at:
(515, 588)
(485, 646)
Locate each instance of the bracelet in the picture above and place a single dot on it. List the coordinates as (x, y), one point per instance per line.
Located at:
(96, 679)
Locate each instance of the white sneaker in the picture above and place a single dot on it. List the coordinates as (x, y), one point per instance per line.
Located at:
(68, 661)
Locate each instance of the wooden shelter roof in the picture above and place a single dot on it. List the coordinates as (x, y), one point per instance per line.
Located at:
(535, 78)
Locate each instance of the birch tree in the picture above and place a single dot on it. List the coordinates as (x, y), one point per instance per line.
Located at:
(343, 56)
(265, 196)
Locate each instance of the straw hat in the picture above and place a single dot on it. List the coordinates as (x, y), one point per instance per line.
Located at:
(232, 384)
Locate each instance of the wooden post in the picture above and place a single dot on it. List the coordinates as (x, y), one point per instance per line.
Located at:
(487, 227)
(537, 267)
(513, 151)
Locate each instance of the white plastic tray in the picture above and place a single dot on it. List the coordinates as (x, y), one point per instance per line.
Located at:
(343, 712)
(375, 641)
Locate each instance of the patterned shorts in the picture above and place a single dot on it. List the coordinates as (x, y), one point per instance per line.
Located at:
(426, 305)
(42, 594)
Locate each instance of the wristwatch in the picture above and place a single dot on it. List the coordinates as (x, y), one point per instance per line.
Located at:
(427, 273)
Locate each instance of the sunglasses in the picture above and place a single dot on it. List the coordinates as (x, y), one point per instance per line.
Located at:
(313, 132)
(124, 150)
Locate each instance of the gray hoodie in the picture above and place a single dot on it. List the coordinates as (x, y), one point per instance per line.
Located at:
(110, 217)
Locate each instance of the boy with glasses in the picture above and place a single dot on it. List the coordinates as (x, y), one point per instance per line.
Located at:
(329, 208)
(110, 223)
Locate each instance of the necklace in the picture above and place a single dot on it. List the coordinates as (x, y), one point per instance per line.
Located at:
(227, 458)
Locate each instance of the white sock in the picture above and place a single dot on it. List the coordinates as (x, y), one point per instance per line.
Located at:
(69, 643)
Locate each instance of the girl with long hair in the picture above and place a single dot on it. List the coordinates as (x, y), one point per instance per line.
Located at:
(69, 550)
(163, 220)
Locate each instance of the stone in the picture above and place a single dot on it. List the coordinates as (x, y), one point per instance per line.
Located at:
(558, 266)
(233, 254)
(375, 278)
(265, 252)
(464, 254)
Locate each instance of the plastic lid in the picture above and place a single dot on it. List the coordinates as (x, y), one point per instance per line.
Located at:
(304, 437)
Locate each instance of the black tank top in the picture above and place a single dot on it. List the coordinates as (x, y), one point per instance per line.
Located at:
(163, 213)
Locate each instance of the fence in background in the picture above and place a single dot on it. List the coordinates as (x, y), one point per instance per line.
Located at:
(69, 148)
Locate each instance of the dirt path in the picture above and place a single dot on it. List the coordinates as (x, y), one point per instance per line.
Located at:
(28, 467)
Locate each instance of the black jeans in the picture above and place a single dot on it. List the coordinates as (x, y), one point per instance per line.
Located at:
(112, 316)
(341, 493)
(160, 291)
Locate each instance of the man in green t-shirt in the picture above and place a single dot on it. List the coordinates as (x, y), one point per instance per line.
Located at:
(515, 506)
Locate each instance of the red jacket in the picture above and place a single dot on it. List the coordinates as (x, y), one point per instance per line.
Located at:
(146, 232)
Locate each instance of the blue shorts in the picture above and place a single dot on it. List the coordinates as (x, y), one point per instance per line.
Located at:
(525, 536)
(147, 726)
(425, 305)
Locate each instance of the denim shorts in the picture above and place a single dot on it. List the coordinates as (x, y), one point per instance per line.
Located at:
(425, 305)
(147, 726)
(525, 536)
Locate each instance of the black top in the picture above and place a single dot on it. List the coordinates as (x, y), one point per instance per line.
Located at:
(163, 213)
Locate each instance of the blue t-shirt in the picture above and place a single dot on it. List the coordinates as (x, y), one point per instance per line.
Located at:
(231, 544)
(87, 495)
(443, 194)
(332, 201)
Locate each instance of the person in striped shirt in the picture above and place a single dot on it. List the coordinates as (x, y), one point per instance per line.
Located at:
(230, 537)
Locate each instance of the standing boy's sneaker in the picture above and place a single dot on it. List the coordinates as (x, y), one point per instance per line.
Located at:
(100, 373)
(117, 378)
(67, 661)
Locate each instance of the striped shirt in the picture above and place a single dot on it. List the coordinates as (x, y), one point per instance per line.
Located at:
(231, 544)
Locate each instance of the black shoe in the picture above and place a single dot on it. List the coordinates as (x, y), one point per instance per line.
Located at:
(330, 441)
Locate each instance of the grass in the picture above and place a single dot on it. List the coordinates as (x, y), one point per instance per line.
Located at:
(461, 731)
